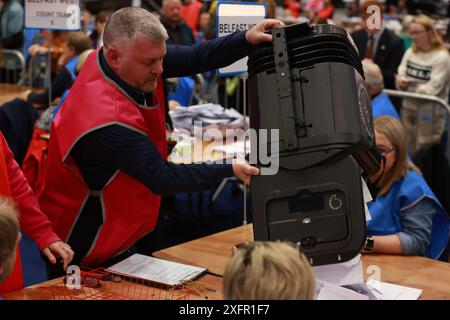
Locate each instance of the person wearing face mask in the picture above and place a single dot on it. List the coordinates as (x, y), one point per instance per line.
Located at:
(425, 69)
(407, 219)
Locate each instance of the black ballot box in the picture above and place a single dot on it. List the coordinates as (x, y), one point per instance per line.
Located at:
(309, 85)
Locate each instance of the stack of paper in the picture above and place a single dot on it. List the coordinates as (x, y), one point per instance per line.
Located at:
(329, 291)
(205, 116)
(348, 272)
(344, 281)
(156, 270)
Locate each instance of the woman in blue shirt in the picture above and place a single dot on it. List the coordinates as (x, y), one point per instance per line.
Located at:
(406, 216)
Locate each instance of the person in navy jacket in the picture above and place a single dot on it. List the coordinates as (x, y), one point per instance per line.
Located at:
(379, 44)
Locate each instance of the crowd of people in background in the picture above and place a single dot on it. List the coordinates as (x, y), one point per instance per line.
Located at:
(194, 21)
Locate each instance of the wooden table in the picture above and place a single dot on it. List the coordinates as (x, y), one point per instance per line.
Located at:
(206, 287)
(9, 92)
(432, 276)
(214, 251)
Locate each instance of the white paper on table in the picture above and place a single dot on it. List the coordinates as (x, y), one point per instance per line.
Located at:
(367, 198)
(390, 291)
(341, 274)
(157, 270)
(367, 212)
(330, 291)
(234, 148)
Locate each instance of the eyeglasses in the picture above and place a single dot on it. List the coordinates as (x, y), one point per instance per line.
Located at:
(384, 150)
(416, 32)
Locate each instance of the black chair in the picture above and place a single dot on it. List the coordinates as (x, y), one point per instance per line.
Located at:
(435, 168)
(17, 120)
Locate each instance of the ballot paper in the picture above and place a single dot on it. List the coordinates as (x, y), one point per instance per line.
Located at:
(156, 270)
(390, 291)
(341, 274)
(207, 116)
(330, 291)
(367, 198)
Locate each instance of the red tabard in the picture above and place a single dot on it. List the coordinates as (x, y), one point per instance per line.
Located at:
(130, 210)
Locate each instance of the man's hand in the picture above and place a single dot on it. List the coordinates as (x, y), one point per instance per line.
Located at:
(244, 171)
(256, 34)
(24, 95)
(59, 249)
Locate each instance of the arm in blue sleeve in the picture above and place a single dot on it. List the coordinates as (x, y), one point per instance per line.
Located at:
(417, 224)
(183, 61)
(134, 154)
(60, 84)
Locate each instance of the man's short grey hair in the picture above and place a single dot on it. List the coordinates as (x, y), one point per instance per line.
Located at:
(166, 2)
(128, 23)
(373, 75)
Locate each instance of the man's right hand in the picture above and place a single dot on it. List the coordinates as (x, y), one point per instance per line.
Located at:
(256, 34)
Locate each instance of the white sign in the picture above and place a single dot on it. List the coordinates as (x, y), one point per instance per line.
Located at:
(237, 16)
(53, 14)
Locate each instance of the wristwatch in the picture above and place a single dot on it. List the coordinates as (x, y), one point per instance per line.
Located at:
(368, 247)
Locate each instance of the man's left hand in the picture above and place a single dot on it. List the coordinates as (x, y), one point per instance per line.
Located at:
(244, 171)
(256, 34)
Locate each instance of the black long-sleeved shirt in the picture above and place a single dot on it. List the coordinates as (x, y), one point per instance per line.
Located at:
(100, 153)
(60, 84)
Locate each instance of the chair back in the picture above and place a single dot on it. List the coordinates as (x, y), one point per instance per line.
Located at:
(14, 65)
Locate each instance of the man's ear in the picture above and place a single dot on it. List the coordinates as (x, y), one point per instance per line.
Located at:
(113, 57)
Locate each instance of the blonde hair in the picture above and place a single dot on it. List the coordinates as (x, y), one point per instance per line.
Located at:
(268, 271)
(82, 60)
(435, 40)
(396, 134)
(9, 230)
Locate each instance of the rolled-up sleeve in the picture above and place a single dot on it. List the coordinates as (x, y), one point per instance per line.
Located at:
(417, 222)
